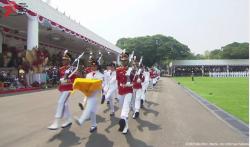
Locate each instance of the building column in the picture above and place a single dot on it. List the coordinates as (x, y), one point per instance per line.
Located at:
(118, 59)
(1, 42)
(202, 70)
(32, 32)
(173, 72)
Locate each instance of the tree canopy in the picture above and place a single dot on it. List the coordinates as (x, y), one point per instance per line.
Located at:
(158, 49)
(162, 49)
(231, 51)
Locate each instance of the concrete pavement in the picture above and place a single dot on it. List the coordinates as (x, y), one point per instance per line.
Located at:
(171, 118)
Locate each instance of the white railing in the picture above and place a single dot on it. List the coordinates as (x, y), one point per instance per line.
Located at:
(229, 74)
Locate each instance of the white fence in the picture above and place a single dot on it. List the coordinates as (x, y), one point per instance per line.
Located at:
(229, 74)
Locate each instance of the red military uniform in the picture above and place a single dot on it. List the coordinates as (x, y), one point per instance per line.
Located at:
(137, 85)
(87, 70)
(122, 80)
(69, 85)
(151, 73)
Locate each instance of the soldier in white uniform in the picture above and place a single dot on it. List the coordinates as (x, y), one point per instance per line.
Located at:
(91, 106)
(145, 85)
(111, 88)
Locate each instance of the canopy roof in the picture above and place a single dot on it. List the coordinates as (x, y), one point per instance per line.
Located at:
(221, 62)
(55, 29)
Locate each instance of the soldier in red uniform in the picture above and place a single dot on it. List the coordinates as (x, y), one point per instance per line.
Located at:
(137, 87)
(124, 76)
(65, 87)
(152, 77)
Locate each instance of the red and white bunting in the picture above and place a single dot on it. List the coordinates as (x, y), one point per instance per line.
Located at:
(41, 19)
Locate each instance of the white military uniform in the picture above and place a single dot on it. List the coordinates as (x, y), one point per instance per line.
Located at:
(91, 106)
(145, 84)
(111, 89)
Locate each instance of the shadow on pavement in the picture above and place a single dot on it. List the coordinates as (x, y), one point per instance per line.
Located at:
(146, 111)
(107, 109)
(133, 142)
(99, 119)
(98, 140)
(67, 138)
(151, 103)
(147, 124)
(113, 121)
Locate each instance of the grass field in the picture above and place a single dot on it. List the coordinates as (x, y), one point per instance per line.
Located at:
(230, 94)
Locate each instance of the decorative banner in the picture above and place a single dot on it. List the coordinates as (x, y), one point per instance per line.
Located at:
(12, 7)
(41, 19)
(31, 13)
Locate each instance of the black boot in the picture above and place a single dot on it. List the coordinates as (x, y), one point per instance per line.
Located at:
(142, 103)
(93, 129)
(103, 99)
(81, 106)
(122, 124)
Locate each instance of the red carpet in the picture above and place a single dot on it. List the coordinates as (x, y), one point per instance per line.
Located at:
(19, 90)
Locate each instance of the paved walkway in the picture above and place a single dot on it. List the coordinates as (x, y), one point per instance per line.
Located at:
(171, 118)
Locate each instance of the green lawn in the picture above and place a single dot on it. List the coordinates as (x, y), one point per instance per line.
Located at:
(230, 94)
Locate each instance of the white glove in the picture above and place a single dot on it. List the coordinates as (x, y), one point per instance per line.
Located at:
(67, 71)
(138, 80)
(63, 81)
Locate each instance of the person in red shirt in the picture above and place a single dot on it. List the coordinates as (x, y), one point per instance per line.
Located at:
(65, 87)
(152, 77)
(124, 76)
(137, 87)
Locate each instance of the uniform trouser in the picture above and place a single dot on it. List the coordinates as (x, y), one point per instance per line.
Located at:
(136, 103)
(144, 90)
(63, 106)
(110, 97)
(154, 80)
(90, 110)
(125, 101)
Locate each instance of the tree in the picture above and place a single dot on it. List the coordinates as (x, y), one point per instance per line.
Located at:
(235, 51)
(215, 54)
(155, 49)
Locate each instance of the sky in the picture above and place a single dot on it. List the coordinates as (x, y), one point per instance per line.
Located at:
(200, 24)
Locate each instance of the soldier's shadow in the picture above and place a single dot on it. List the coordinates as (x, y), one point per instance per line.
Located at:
(113, 121)
(133, 142)
(146, 124)
(147, 111)
(107, 109)
(100, 119)
(150, 103)
(98, 140)
(67, 138)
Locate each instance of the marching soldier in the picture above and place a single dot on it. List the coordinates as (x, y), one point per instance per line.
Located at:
(145, 85)
(91, 104)
(111, 88)
(65, 87)
(124, 78)
(137, 87)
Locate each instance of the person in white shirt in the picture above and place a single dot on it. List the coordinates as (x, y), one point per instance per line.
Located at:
(105, 84)
(111, 88)
(145, 85)
(91, 106)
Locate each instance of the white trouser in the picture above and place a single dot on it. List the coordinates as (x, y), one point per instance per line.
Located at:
(125, 101)
(110, 97)
(90, 110)
(151, 83)
(137, 100)
(63, 105)
(144, 90)
(154, 80)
